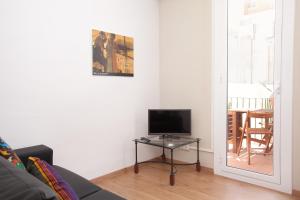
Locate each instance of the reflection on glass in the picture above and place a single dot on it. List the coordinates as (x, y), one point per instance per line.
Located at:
(250, 85)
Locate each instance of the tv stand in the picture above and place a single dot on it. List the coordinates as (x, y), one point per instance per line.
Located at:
(170, 143)
(163, 137)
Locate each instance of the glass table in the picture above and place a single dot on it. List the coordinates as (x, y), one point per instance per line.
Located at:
(170, 143)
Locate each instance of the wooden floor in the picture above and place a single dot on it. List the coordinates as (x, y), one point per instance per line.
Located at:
(152, 183)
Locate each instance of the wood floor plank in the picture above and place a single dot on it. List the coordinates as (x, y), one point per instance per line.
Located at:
(152, 183)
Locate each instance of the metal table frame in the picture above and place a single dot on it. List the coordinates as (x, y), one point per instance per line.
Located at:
(164, 160)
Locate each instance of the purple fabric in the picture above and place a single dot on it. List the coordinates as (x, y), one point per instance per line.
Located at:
(63, 184)
(47, 174)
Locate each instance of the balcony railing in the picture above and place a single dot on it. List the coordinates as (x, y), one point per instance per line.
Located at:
(244, 103)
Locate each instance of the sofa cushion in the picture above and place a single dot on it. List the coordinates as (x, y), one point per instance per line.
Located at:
(81, 186)
(16, 184)
(47, 174)
(103, 194)
(41, 151)
(7, 153)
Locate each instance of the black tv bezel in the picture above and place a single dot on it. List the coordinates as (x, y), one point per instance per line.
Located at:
(169, 133)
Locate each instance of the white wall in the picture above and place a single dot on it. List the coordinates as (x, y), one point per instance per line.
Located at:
(185, 66)
(48, 94)
(296, 116)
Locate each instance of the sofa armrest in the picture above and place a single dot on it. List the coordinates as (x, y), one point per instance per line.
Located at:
(41, 151)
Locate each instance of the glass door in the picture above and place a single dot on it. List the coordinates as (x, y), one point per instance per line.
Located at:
(250, 85)
(252, 91)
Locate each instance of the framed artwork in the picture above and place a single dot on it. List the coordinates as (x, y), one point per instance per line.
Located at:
(113, 54)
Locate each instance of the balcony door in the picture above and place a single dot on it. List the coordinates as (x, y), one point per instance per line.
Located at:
(252, 91)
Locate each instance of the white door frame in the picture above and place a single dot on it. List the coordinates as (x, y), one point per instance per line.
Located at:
(282, 179)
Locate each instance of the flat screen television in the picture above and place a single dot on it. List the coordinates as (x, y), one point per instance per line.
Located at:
(169, 122)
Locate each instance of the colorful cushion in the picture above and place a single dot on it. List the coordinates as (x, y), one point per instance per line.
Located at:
(47, 174)
(16, 184)
(10, 155)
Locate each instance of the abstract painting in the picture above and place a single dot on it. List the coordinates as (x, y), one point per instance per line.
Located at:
(113, 54)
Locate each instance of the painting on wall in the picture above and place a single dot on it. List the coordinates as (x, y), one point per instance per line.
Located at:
(113, 54)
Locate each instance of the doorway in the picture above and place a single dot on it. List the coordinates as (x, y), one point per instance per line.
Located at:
(252, 96)
(250, 85)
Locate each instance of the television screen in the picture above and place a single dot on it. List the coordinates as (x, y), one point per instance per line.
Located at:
(169, 122)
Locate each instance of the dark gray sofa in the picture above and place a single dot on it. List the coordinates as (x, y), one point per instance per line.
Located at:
(84, 189)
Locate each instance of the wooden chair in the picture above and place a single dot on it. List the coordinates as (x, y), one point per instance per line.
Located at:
(229, 127)
(266, 131)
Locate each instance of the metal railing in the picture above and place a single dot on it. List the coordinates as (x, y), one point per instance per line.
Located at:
(245, 103)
